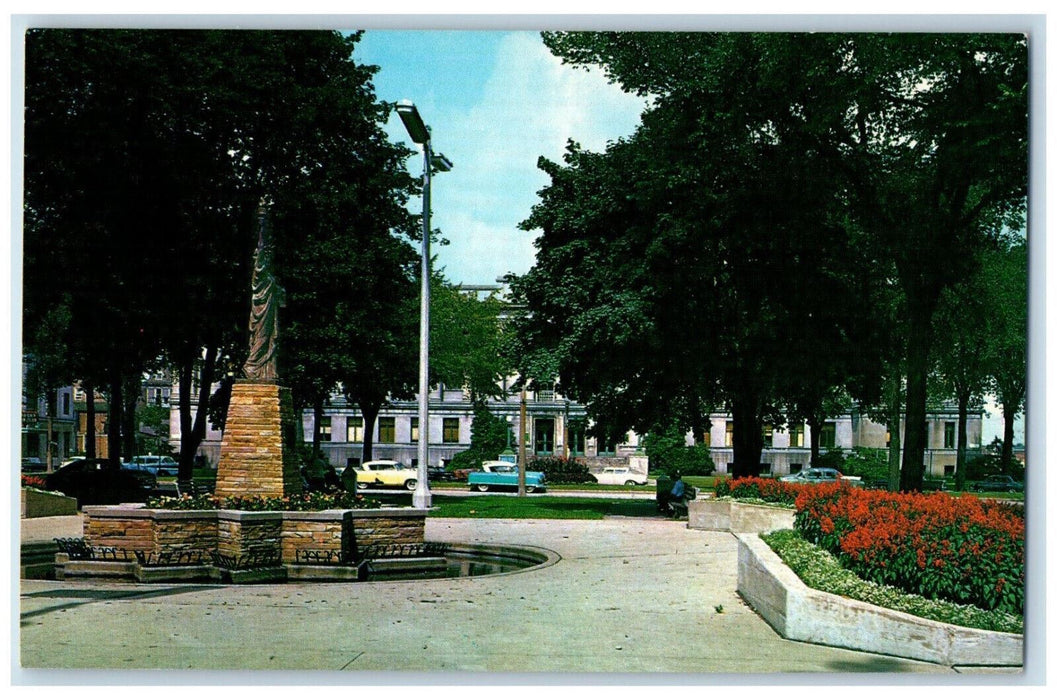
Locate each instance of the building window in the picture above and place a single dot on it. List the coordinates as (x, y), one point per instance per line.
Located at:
(796, 435)
(545, 394)
(66, 403)
(728, 440)
(888, 438)
(948, 435)
(387, 430)
(414, 430)
(827, 437)
(451, 430)
(354, 430)
(324, 428)
(768, 435)
(544, 436)
(576, 437)
(706, 439)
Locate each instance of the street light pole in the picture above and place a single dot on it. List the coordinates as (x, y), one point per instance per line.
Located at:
(420, 134)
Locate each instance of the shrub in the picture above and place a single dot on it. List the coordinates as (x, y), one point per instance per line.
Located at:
(965, 550)
(467, 459)
(867, 463)
(561, 470)
(669, 453)
(833, 459)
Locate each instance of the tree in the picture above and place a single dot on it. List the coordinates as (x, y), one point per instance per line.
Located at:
(961, 322)
(948, 154)
(147, 153)
(1005, 277)
(466, 340)
(723, 208)
(919, 139)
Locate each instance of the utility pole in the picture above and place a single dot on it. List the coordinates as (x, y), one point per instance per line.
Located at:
(522, 457)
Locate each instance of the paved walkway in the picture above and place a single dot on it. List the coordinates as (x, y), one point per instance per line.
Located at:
(626, 596)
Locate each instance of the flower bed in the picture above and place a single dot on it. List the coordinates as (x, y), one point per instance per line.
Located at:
(315, 501)
(964, 549)
(754, 488)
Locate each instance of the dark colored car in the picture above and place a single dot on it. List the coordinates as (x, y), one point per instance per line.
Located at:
(440, 474)
(998, 482)
(100, 482)
(33, 465)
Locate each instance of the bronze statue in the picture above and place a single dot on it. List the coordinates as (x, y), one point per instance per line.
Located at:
(262, 362)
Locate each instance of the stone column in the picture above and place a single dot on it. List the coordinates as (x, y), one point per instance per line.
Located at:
(257, 451)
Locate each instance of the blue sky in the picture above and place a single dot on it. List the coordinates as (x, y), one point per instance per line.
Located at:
(496, 101)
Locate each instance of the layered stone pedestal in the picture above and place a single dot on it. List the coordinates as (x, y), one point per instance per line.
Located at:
(257, 451)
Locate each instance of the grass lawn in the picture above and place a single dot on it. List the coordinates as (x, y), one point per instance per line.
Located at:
(530, 507)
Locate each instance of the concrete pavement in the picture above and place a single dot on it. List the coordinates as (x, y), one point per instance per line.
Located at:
(625, 596)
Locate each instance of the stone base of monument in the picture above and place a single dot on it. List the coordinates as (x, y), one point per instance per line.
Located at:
(154, 544)
(258, 457)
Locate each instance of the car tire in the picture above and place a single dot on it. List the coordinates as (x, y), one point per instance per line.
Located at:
(629, 482)
(410, 484)
(530, 489)
(482, 487)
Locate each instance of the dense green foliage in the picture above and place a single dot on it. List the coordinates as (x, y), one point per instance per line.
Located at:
(489, 435)
(147, 154)
(669, 453)
(769, 238)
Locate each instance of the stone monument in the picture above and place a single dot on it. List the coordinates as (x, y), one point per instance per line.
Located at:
(257, 451)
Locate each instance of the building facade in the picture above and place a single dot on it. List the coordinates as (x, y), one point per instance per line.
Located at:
(557, 426)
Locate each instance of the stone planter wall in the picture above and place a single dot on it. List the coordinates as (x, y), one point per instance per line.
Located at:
(803, 614)
(241, 534)
(389, 526)
(326, 531)
(42, 504)
(734, 516)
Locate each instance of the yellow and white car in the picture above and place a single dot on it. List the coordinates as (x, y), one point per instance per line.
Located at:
(386, 473)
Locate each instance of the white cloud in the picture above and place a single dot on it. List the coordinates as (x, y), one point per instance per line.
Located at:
(531, 106)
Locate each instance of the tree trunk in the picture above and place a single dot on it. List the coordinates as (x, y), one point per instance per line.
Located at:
(370, 415)
(130, 428)
(815, 423)
(193, 427)
(748, 440)
(1007, 439)
(113, 419)
(915, 436)
(963, 435)
(50, 403)
(89, 428)
(317, 432)
(894, 439)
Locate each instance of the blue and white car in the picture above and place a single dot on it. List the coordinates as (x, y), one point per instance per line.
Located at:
(496, 475)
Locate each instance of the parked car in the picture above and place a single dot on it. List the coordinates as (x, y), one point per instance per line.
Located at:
(100, 482)
(813, 475)
(385, 473)
(33, 465)
(157, 464)
(621, 476)
(495, 474)
(998, 482)
(441, 474)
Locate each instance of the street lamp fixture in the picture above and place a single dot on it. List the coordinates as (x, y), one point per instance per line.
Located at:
(420, 134)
